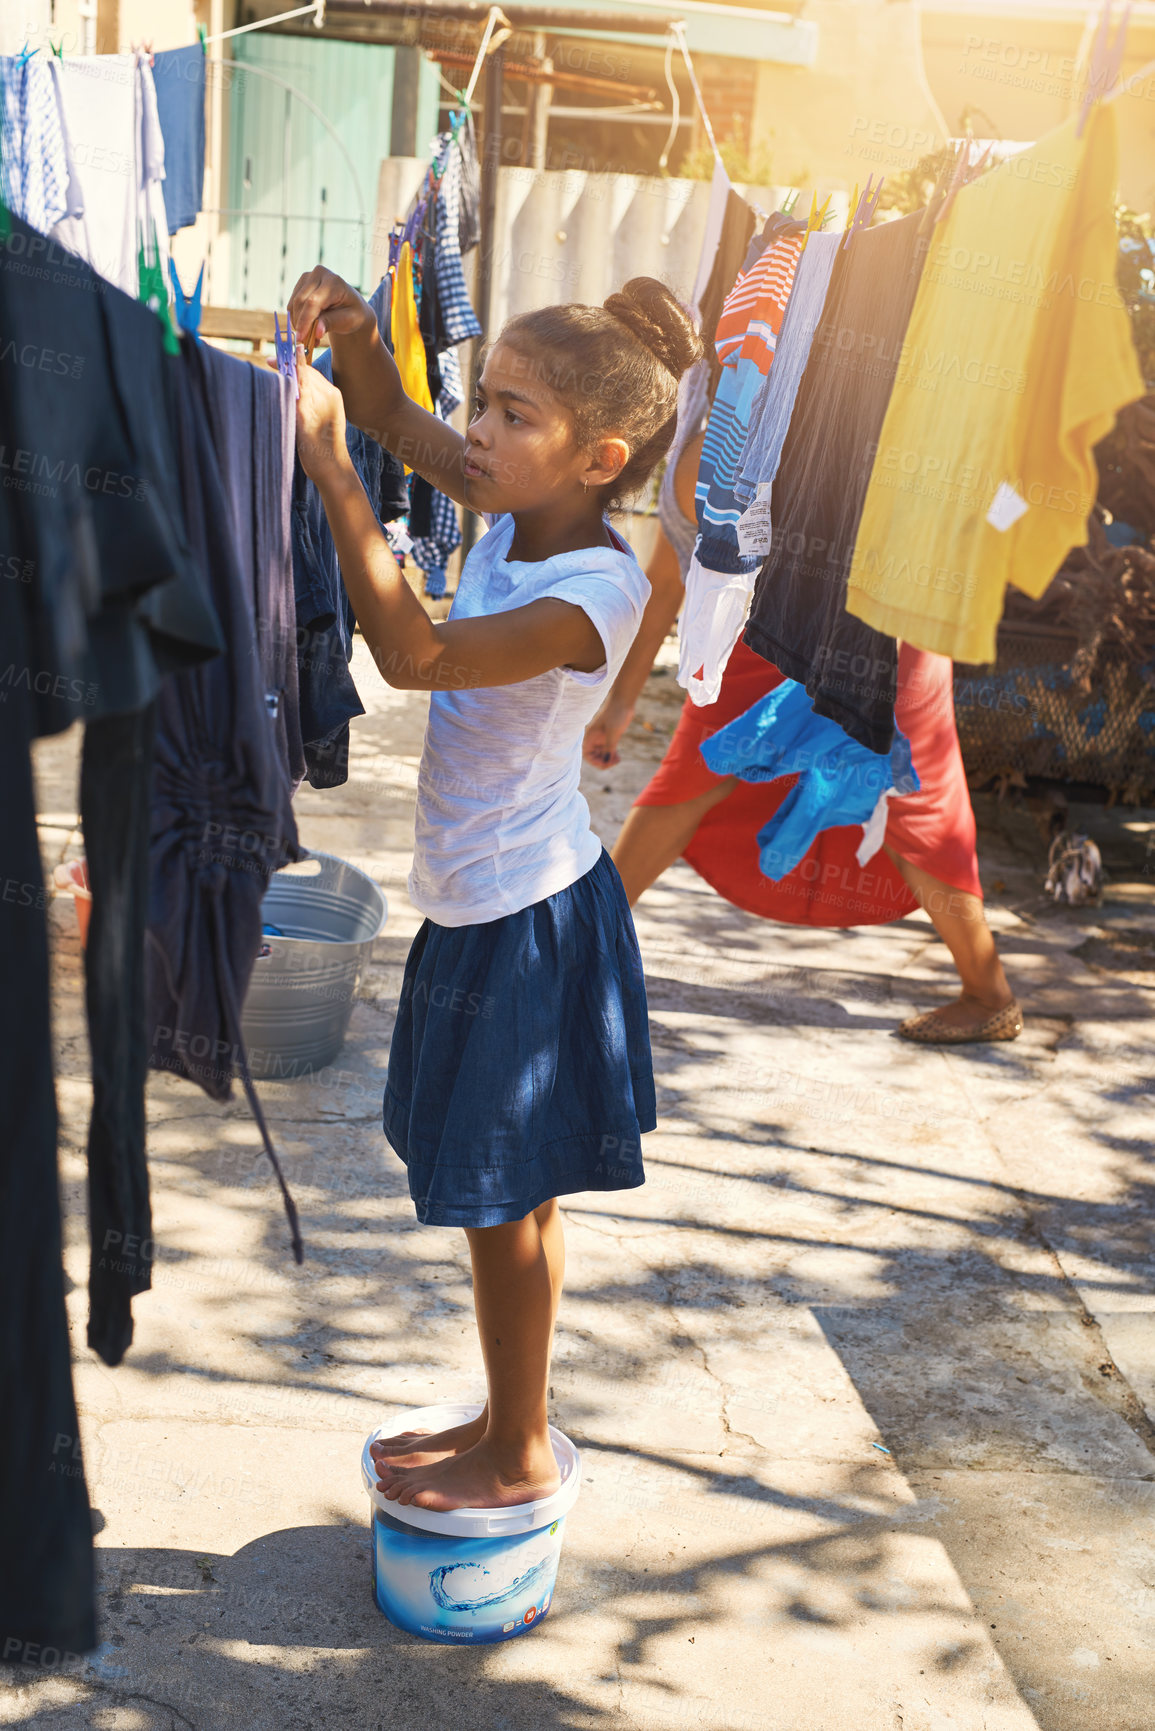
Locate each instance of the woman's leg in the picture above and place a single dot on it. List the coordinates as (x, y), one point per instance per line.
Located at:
(517, 1270)
(960, 922)
(654, 836)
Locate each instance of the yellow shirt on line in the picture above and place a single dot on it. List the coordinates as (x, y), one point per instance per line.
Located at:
(1017, 358)
(408, 347)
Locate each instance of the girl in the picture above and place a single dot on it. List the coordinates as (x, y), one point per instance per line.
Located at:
(519, 1069)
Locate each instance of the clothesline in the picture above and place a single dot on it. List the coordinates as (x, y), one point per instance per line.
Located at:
(1124, 88)
(678, 32)
(318, 7)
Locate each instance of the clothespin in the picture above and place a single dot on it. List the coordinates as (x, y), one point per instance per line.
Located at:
(203, 38)
(286, 352)
(24, 57)
(187, 307)
(865, 208)
(790, 201)
(1105, 62)
(816, 219)
(154, 294)
(942, 177)
(967, 172)
(958, 178)
(57, 48)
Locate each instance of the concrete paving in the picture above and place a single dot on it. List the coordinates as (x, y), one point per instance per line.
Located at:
(863, 1377)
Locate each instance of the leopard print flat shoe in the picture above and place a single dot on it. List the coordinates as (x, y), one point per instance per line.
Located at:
(929, 1029)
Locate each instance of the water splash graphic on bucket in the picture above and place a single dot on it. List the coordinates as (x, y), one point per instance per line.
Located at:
(447, 1583)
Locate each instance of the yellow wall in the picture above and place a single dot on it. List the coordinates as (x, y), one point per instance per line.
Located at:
(888, 86)
(861, 109)
(1020, 74)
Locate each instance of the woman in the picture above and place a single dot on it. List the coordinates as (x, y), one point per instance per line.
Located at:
(928, 858)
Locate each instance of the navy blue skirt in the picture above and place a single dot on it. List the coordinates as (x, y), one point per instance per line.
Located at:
(520, 1065)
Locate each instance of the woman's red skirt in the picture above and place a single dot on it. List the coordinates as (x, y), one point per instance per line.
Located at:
(933, 829)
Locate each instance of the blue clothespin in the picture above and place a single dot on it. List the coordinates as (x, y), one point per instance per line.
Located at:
(187, 307)
(24, 57)
(286, 351)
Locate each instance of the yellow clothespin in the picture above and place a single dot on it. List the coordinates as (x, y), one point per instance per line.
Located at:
(816, 218)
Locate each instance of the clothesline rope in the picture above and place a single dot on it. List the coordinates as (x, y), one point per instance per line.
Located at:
(1124, 88)
(678, 32)
(496, 15)
(317, 7)
(675, 102)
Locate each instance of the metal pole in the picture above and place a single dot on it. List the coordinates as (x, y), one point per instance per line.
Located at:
(487, 243)
(540, 97)
(556, 18)
(490, 163)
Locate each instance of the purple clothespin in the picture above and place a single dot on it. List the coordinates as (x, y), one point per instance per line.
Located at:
(286, 351)
(1105, 62)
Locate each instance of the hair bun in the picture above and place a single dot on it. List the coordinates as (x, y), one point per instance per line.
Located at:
(659, 320)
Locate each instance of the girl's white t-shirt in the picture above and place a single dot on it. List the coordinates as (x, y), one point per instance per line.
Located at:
(501, 821)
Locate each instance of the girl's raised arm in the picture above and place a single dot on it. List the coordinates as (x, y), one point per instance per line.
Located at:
(411, 652)
(366, 375)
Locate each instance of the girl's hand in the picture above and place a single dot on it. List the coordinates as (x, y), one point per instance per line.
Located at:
(322, 301)
(604, 732)
(320, 422)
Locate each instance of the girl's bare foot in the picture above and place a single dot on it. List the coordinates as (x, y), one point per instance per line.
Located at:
(486, 1476)
(419, 1448)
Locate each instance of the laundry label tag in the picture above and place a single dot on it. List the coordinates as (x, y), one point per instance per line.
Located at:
(754, 528)
(1007, 507)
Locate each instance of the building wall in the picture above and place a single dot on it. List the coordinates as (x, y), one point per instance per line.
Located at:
(296, 198)
(862, 108)
(1015, 75)
(890, 82)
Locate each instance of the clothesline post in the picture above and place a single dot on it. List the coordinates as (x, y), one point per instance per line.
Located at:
(491, 143)
(490, 163)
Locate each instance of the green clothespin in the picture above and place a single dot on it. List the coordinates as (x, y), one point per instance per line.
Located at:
(203, 38)
(154, 293)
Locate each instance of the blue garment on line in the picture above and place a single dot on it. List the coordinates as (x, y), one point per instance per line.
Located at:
(773, 407)
(179, 76)
(434, 528)
(460, 320)
(34, 177)
(741, 383)
(327, 694)
(839, 781)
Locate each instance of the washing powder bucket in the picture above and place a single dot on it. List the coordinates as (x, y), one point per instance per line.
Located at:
(321, 916)
(475, 1575)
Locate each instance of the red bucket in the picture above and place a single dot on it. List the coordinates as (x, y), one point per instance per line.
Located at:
(73, 877)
